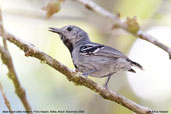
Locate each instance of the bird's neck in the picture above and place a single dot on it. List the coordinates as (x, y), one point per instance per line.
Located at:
(82, 42)
(71, 46)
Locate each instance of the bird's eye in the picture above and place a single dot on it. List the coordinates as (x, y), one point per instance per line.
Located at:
(69, 29)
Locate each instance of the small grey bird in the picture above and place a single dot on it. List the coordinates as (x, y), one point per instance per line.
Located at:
(91, 58)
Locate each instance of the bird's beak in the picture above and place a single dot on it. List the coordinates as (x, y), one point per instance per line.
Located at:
(56, 30)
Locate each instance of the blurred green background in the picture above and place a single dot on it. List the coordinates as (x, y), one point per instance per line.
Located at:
(47, 89)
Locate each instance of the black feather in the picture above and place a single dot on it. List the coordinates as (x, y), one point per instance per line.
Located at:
(132, 70)
(69, 45)
(135, 64)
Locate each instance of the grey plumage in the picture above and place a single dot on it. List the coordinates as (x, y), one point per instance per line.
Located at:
(93, 59)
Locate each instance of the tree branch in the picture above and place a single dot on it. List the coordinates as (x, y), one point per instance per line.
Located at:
(7, 60)
(76, 77)
(7, 103)
(125, 25)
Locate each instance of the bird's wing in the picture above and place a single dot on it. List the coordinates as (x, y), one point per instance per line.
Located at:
(94, 49)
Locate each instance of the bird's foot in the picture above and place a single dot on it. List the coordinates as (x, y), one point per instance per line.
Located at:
(105, 85)
(85, 74)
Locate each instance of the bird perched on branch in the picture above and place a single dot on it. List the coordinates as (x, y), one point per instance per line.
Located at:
(91, 58)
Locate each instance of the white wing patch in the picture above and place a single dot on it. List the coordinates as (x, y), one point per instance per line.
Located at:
(90, 49)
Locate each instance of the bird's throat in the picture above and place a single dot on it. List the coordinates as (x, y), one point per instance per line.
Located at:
(68, 45)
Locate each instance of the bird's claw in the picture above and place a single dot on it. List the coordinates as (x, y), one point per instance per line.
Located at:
(85, 74)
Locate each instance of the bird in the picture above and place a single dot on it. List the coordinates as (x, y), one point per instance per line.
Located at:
(93, 59)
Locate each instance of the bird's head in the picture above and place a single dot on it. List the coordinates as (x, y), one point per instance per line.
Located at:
(71, 35)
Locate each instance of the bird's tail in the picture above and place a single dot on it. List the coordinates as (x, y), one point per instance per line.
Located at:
(135, 64)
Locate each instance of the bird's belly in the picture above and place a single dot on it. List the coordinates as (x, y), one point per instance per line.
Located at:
(98, 67)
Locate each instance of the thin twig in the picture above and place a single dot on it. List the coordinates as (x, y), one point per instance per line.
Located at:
(7, 103)
(7, 60)
(2, 31)
(89, 4)
(76, 77)
(154, 41)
